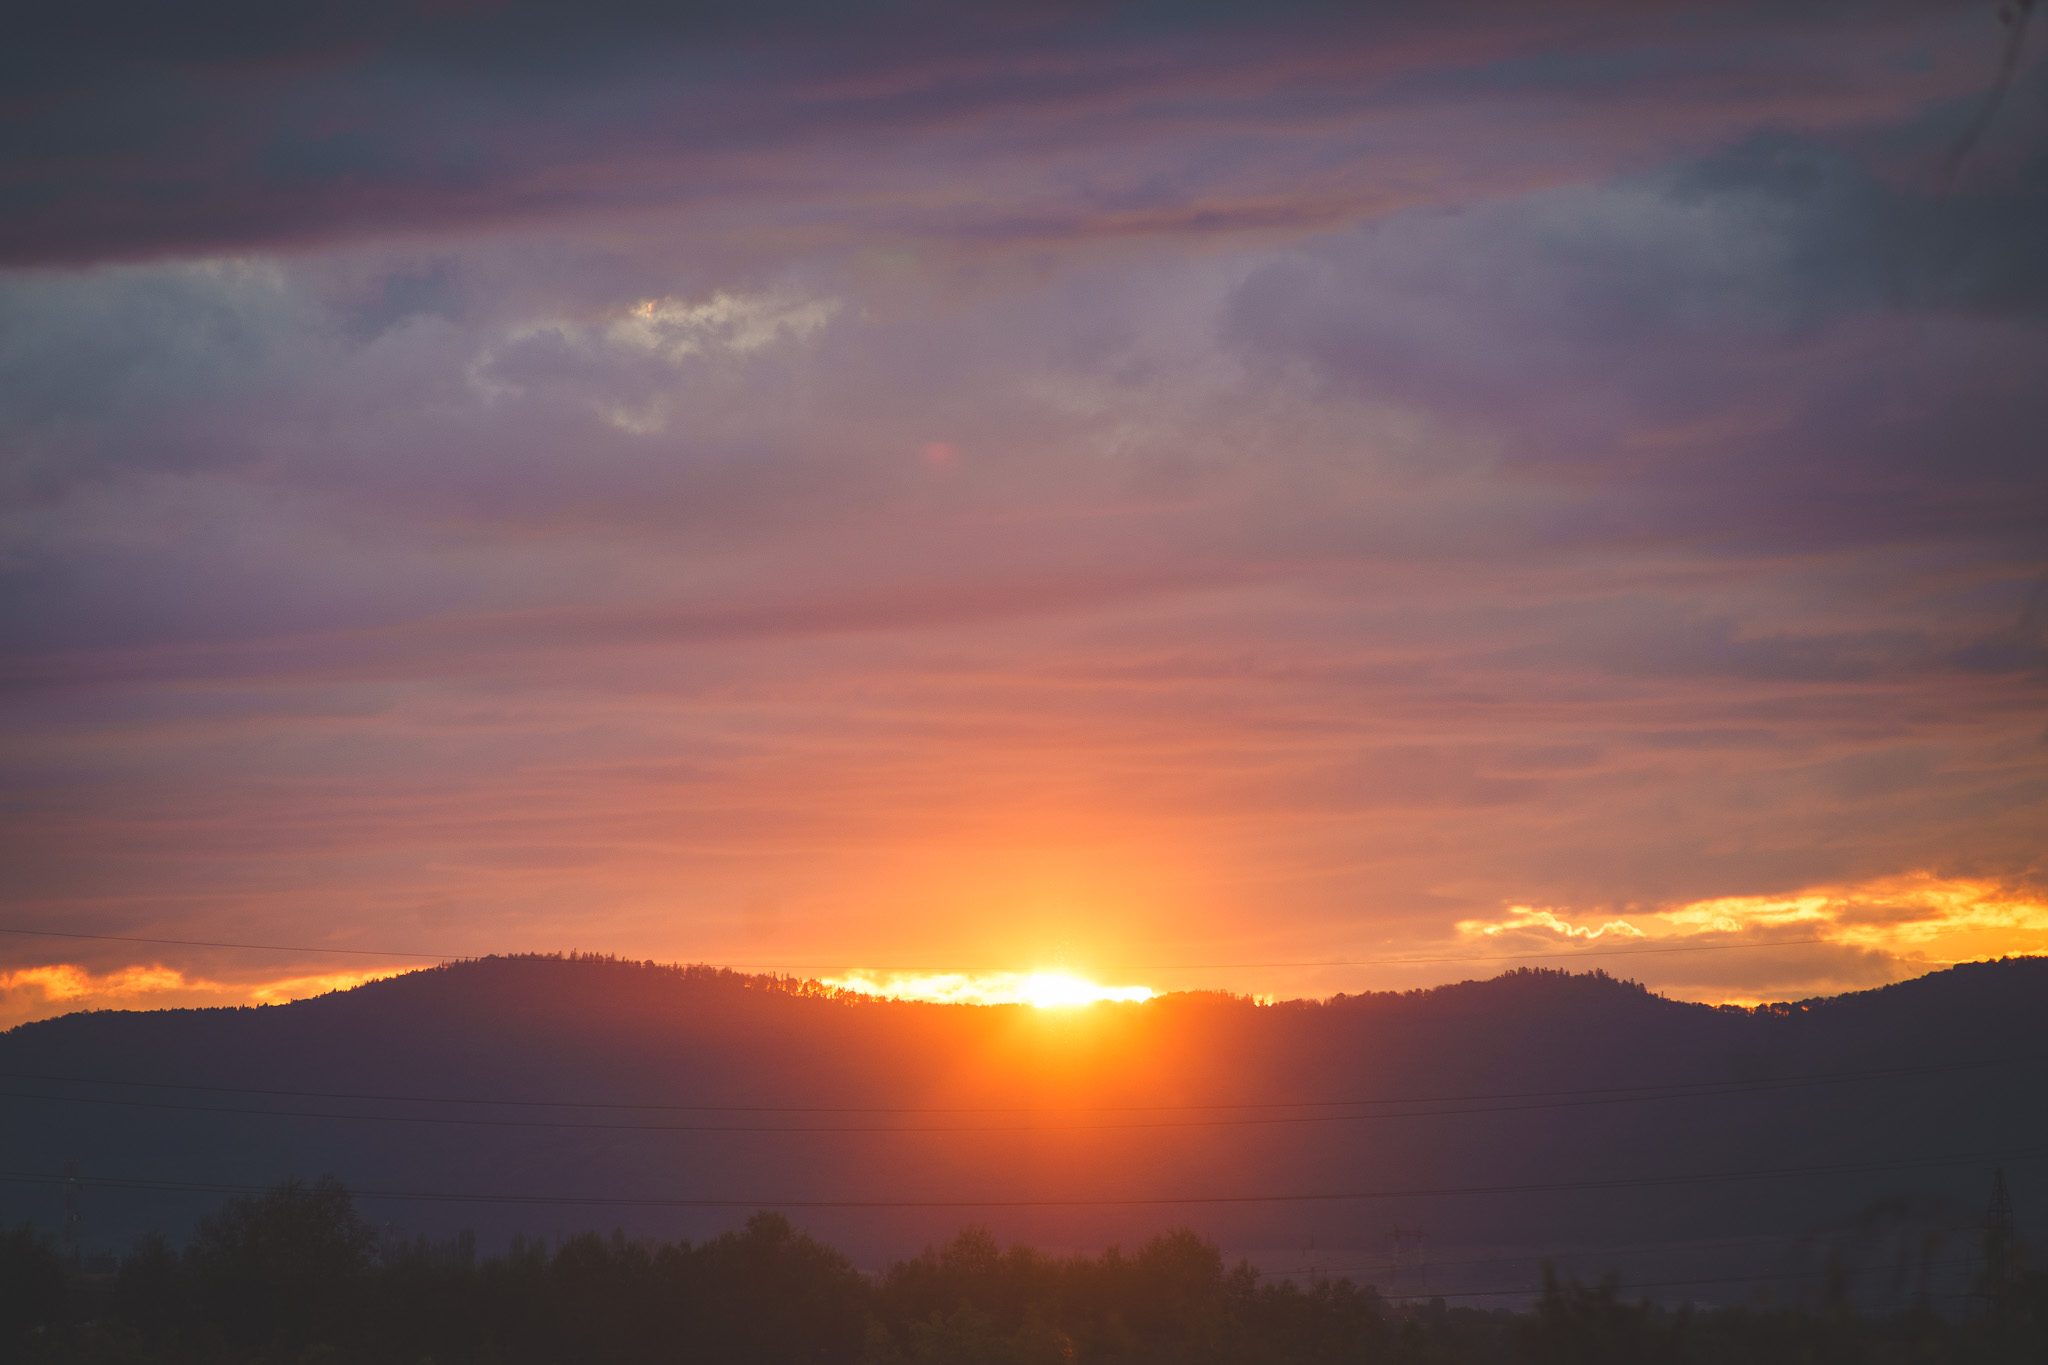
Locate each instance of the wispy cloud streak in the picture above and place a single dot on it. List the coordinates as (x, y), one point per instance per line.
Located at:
(1020, 484)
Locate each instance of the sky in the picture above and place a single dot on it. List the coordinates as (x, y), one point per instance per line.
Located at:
(1281, 498)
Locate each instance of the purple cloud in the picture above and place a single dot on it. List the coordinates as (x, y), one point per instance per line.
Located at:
(1389, 473)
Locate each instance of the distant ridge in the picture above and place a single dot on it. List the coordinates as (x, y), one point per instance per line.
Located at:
(545, 1075)
(560, 969)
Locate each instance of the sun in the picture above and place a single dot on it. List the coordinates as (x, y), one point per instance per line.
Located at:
(1043, 990)
(1057, 990)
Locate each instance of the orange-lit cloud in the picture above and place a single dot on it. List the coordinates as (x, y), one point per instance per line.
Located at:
(916, 552)
(63, 988)
(300, 987)
(1529, 917)
(66, 982)
(1893, 927)
(1046, 990)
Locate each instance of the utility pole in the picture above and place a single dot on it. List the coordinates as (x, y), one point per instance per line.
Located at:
(1407, 1244)
(1998, 1238)
(72, 1213)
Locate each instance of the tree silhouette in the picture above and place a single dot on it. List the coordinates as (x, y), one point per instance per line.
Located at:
(32, 1284)
(283, 1268)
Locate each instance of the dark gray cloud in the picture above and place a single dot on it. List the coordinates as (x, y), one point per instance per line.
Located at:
(135, 133)
(1094, 468)
(1854, 240)
(1710, 335)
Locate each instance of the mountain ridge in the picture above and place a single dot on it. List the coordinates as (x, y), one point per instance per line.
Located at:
(787, 1093)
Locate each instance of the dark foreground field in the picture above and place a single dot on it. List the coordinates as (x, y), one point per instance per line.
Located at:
(294, 1276)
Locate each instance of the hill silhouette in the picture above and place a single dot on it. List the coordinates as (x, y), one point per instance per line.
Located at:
(1537, 1113)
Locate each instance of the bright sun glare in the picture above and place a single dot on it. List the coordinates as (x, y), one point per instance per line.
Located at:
(1049, 990)
(1046, 990)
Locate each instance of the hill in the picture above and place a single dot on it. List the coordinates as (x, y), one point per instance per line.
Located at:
(1534, 1114)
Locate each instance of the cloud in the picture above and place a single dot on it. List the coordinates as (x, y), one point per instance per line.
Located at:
(68, 983)
(486, 649)
(667, 331)
(28, 993)
(1114, 481)
(1043, 989)
(1752, 946)
(228, 131)
(1528, 917)
(677, 328)
(1773, 347)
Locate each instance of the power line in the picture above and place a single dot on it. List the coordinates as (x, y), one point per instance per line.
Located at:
(1365, 1260)
(1636, 1250)
(1571, 956)
(1482, 1104)
(211, 943)
(1365, 1263)
(1338, 962)
(1644, 1284)
(1130, 1201)
(463, 1121)
(915, 1109)
(1675, 1284)
(1681, 1087)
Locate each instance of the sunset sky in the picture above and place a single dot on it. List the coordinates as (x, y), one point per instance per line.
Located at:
(1286, 498)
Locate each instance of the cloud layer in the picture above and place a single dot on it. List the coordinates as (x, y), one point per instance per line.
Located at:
(1078, 486)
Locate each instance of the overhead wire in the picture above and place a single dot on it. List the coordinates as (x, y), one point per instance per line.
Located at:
(215, 943)
(1534, 1290)
(1334, 1262)
(1506, 1102)
(1343, 1258)
(1539, 956)
(1964, 1264)
(1111, 1201)
(1687, 1087)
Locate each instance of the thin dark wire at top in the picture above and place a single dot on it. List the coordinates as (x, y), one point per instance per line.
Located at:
(1591, 1094)
(1573, 955)
(1047, 1121)
(1112, 1201)
(213, 943)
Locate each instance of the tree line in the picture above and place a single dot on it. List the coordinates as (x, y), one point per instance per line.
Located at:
(294, 1276)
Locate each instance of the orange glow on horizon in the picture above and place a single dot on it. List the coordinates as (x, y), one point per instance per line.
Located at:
(1043, 990)
(1900, 926)
(61, 988)
(1798, 943)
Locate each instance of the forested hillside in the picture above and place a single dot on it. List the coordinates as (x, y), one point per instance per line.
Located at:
(1534, 1115)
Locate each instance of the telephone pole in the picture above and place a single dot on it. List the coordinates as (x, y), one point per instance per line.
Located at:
(1998, 1237)
(72, 1212)
(1407, 1244)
